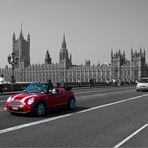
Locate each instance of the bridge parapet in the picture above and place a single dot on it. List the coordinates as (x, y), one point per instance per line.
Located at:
(19, 86)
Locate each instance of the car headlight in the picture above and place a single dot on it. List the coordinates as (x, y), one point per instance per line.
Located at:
(30, 101)
(9, 99)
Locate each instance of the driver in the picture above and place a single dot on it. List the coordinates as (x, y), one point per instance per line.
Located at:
(50, 85)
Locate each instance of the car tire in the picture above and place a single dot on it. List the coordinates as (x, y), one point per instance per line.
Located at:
(40, 109)
(72, 103)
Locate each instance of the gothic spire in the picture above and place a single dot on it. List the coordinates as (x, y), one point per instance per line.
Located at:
(21, 34)
(47, 58)
(64, 42)
(21, 28)
(13, 35)
(64, 37)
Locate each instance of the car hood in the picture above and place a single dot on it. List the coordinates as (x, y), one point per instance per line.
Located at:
(23, 96)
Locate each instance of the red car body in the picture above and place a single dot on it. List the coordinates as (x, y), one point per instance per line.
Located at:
(39, 102)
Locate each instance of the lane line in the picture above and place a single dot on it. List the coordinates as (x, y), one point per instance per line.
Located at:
(33, 123)
(130, 136)
(66, 115)
(105, 105)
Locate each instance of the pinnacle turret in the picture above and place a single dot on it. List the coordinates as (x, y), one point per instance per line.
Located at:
(64, 42)
(47, 58)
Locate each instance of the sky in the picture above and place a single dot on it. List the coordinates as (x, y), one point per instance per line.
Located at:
(92, 28)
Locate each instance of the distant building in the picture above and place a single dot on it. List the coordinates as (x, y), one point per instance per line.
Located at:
(119, 68)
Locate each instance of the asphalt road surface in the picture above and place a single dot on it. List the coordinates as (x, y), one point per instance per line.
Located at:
(104, 117)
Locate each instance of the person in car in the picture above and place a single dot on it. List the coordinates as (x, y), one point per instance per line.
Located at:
(62, 84)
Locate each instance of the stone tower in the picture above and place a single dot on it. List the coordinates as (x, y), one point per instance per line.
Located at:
(64, 57)
(138, 64)
(117, 60)
(21, 48)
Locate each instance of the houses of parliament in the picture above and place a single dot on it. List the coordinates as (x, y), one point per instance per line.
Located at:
(118, 68)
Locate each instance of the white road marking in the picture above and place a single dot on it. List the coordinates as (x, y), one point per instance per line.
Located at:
(33, 123)
(105, 105)
(66, 115)
(130, 136)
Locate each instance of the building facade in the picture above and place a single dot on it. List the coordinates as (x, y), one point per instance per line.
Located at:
(118, 68)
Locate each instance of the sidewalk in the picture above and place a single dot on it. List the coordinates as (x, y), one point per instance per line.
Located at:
(10, 93)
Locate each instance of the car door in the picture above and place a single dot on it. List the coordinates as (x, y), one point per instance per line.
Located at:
(56, 99)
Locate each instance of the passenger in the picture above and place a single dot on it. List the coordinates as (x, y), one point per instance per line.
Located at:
(54, 85)
(62, 87)
(62, 84)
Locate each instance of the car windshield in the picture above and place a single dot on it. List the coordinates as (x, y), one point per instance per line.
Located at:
(144, 80)
(37, 88)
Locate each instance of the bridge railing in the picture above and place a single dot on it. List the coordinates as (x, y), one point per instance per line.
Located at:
(13, 87)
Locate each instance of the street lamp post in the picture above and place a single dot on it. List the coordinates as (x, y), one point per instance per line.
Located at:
(12, 60)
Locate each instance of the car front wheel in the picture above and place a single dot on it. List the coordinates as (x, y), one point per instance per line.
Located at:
(40, 109)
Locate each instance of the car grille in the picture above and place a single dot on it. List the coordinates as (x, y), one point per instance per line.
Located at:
(15, 103)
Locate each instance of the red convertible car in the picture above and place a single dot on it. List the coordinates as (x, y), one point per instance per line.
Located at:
(37, 98)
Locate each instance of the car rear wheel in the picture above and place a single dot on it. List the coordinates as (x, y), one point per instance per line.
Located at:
(72, 104)
(40, 109)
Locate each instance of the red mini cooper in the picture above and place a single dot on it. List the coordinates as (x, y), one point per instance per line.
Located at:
(37, 98)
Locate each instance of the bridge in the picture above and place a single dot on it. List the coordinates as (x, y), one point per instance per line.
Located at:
(106, 116)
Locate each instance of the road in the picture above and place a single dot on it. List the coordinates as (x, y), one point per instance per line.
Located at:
(104, 117)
